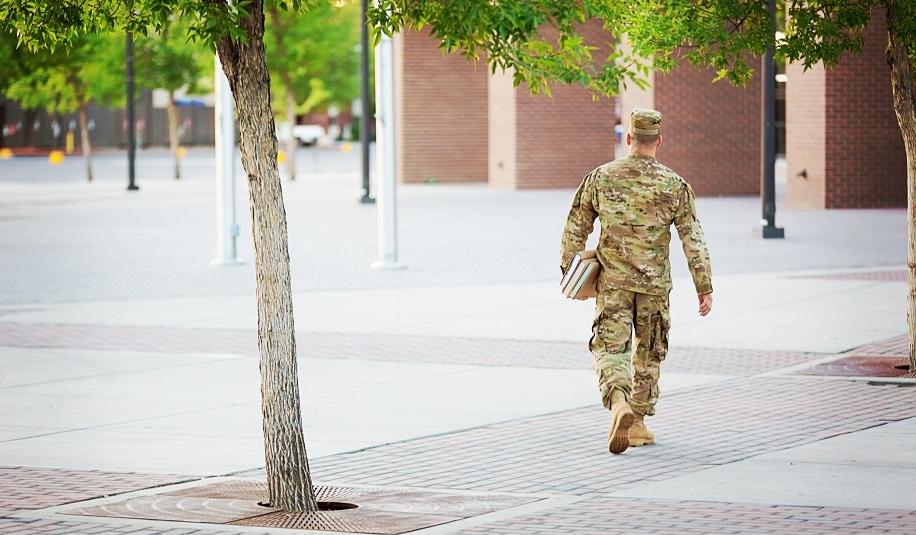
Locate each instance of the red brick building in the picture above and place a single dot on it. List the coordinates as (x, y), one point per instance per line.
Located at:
(711, 131)
(459, 123)
(441, 106)
(843, 145)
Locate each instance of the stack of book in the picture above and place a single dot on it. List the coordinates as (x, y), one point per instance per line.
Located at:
(581, 278)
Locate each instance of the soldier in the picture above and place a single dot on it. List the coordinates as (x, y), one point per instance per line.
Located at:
(637, 199)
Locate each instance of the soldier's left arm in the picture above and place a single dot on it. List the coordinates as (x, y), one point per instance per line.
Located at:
(580, 221)
(691, 234)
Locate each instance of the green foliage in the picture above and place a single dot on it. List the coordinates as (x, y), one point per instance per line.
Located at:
(542, 42)
(91, 70)
(315, 55)
(11, 66)
(60, 24)
(167, 59)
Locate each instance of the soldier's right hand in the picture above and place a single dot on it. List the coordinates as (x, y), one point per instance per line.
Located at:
(705, 303)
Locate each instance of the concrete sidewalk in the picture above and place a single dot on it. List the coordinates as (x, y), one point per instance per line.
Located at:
(126, 362)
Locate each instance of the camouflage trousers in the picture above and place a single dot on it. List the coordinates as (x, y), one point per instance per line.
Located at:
(619, 315)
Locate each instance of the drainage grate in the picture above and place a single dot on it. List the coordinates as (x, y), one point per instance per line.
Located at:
(175, 508)
(257, 490)
(351, 521)
(379, 511)
(863, 366)
(233, 489)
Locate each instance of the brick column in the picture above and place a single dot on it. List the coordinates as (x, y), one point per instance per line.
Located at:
(843, 145)
(503, 146)
(540, 141)
(806, 144)
(441, 103)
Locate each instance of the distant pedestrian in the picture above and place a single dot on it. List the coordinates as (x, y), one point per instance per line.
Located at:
(636, 199)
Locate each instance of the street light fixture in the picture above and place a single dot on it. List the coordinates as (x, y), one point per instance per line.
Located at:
(768, 228)
(364, 102)
(131, 134)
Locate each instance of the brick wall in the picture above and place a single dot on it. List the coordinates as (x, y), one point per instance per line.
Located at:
(865, 159)
(442, 111)
(711, 131)
(561, 139)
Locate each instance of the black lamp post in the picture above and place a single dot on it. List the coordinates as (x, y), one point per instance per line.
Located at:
(131, 135)
(768, 227)
(364, 103)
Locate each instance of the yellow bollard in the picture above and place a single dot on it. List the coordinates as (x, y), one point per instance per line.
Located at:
(6, 154)
(281, 156)
(181, 152)
(69, 142)
(346, 147)
(56, 157)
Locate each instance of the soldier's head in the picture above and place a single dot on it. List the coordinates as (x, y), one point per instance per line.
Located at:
(644, 134)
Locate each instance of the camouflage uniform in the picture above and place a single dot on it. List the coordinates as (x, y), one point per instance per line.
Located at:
(637, 199)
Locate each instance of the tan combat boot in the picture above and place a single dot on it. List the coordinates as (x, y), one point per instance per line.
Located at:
(618, 437)
(640, 435)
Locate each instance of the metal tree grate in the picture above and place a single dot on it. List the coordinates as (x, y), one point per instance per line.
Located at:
(350, 521)
(378, 511)
(863, 366)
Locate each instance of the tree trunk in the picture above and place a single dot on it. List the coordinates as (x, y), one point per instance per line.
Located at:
(292, 143)
(29, 125)
(173, 132)
(58, 139)
(905, 107)
(84, 139)
(288, 478)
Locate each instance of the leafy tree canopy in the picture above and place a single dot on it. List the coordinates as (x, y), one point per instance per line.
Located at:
(61, 80)
(166, 58)
(711, 33)
(510, 33)
(314, 54)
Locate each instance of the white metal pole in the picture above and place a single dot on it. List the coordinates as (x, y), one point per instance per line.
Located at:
(386, 194)
(227, 230)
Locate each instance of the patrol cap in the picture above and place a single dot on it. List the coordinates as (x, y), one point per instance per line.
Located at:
(645, 121)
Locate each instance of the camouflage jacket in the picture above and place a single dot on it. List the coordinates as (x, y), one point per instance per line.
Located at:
(637, 200)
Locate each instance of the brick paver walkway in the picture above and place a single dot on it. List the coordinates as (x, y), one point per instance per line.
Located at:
(24, 488)
(890, 275)
(565, 452)
(607, 516)
(897, 346)
(561, 453)
(20, 526)
(382, 347)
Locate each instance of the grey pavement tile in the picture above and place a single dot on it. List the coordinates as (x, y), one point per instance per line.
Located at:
(78, 242)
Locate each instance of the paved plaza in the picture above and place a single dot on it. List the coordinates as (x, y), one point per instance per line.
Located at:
(128, 365)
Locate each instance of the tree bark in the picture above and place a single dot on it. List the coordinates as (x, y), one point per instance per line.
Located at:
(292, 143)
(173, 132)
(85, 145)
(905, 107)
(288, 478)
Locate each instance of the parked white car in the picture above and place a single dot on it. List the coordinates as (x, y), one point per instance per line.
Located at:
(307, 134)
